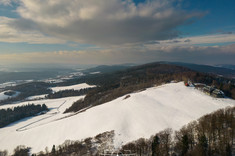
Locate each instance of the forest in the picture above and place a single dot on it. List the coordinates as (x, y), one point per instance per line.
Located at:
(210, 135)
(10, 115)
(68, 93)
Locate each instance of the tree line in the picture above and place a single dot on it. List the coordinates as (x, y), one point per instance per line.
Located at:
(211, 135)
(68, 93)
(87, 147)
(11, 115)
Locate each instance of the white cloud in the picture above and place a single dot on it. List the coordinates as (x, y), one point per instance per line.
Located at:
(8, 33)
(192, 41)
(103, 22)
(207, 39)
(147, 32)
(5, 2)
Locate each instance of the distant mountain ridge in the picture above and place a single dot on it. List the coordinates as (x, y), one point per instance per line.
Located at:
(223, 70)
(220, 70)
(108, 68)
(229, 66)
(6, 76)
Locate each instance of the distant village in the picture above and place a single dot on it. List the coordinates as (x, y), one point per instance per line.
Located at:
(209, 90)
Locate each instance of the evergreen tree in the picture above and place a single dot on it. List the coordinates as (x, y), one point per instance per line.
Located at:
(185, 144)
(203, 144)
(228, 150)
(53, 150)
(155, 146)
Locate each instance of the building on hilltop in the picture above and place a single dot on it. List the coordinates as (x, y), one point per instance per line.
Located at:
(217, 93)
(208, 90)
(189, 84)
(213, 92)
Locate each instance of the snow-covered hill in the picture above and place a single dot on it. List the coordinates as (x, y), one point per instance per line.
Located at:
(140, 115)
(3, 96)
(74, 87)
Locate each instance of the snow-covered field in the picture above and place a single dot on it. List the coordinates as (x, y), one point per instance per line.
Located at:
(4, 97)
(98, 72)
(6, 84)
(13, 83)
(75, 87)
(141, 115)
(19, 130)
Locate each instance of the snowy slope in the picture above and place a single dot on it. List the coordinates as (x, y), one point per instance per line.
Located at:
(141, 115)
(52, 104)
(4, 97)
(75, 87)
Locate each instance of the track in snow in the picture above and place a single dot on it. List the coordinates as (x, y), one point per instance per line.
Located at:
(24, 128)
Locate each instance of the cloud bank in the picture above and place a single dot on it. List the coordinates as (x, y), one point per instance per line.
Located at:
(121, 30)
(193, 54)
(102, 22)
(11, 35)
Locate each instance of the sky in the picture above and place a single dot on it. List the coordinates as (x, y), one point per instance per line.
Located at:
(116, 31)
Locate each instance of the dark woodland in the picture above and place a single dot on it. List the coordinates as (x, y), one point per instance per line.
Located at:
(9, 115)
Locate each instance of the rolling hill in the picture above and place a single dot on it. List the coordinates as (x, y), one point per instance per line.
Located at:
(140, 114)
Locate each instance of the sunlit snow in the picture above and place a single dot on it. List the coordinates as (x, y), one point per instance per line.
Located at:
(141, 115)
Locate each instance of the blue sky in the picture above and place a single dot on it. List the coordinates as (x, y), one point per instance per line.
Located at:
(218, 19)
(116, 31)
(9, 10)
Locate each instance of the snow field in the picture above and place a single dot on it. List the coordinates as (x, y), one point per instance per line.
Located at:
(75, 87)
(4, 97)
(141, 115)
